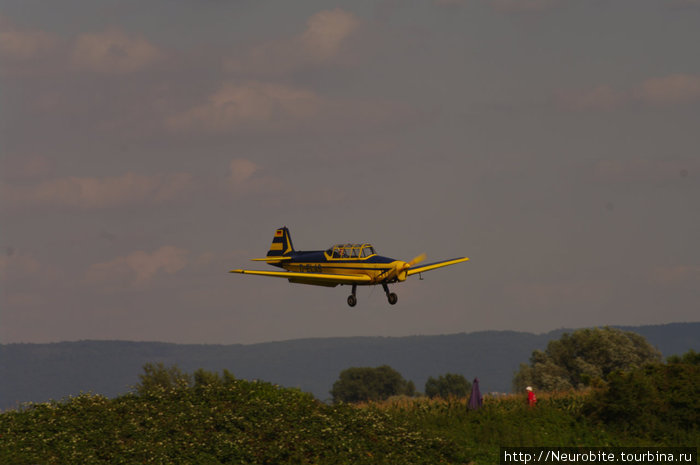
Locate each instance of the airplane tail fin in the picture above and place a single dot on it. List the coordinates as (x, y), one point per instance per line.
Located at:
(281, 243)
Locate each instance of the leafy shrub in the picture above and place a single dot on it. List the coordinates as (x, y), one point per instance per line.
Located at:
(216, 422)
(652, 401)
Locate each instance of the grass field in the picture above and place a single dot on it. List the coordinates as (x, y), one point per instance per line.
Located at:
(558, 420)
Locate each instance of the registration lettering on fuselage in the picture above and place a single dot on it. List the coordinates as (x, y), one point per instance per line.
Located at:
(310, 268)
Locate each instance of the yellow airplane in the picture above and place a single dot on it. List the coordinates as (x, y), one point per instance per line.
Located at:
(344, 264)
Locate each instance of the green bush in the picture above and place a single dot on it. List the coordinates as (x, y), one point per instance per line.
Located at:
(654, 401)
(216, 423)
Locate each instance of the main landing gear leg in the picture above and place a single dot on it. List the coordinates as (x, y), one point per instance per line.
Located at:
(352, 300)
(391, 297)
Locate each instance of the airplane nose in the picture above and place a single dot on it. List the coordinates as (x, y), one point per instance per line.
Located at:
(401, 269)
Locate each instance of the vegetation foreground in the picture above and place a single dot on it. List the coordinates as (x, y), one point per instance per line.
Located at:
(237, 422)
(227, 421)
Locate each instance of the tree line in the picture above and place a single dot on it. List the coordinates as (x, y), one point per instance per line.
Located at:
(363, 384)
(355, 384)
(585, 358)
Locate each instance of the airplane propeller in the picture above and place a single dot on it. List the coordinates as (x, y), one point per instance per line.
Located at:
(417, 260)
(402, 267)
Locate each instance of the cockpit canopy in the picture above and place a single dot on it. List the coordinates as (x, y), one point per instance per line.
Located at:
(351, 251)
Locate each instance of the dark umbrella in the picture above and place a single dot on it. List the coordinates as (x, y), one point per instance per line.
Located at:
(475, 398)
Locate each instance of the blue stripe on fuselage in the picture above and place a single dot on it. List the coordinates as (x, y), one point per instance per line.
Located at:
(318, 256)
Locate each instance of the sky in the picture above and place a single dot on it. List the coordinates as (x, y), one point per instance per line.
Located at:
(150, 147)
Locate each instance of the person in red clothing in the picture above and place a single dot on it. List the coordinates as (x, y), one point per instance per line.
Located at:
(531, 397)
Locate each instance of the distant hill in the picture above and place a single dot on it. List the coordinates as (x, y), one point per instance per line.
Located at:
(39, 372)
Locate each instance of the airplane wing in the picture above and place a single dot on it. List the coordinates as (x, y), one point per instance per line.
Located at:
(271, 260)
(432, 266)
(318, 279)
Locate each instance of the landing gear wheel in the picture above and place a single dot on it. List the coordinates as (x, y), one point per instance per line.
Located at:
(393, 298)
(352, 300)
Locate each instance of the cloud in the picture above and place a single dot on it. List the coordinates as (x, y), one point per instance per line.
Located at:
(257, 100)
(27, 51)
(35, 52)
(17, 265)
(241, 170)
(666, 91)
(676, 89)
(248, 104)
(23, 44)
(320, 43)
(246, 177)
(91, 193)
(113, 52)
(138, 268)
(264, 106)
(325, 33)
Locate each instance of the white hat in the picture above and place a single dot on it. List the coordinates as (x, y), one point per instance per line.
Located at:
(528, 388)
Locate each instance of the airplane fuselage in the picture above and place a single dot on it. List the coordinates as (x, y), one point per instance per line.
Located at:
(378, 268)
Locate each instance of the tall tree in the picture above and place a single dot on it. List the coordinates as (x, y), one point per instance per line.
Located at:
(361, 384)
(584, 357)
(448, 385)
(157, 376)
(203, 378)
(690, 358)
